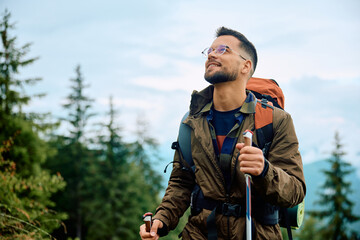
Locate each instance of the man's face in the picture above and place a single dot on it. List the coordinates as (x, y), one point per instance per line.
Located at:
(225, 67)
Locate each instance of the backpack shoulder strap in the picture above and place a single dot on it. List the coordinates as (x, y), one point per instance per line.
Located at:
(264, 124)
(184, 140)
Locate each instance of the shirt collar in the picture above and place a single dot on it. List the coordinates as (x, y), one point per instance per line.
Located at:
(248, 107)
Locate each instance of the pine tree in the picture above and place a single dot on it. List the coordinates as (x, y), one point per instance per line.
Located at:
(25, 188)
(144, 152)
(120, 194)
(103, 210)
(78, 106)
(12, 96)
(25, 203)
(74, 157)
(337, 208)
(116, 149)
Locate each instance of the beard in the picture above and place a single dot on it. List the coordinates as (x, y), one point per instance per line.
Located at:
(220, 77)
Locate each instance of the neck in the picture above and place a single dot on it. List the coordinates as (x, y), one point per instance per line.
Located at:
(229, 95)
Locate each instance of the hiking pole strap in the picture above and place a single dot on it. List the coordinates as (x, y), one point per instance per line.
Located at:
(289, 232)
(211, 225)
(287, 221)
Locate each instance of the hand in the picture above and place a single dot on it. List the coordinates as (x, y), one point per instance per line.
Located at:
(251, 159)
(152, 235)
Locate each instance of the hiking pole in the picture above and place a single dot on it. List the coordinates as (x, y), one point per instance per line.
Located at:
(147, 218)
(248, 141)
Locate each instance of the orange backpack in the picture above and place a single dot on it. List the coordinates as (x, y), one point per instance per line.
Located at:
(268, 94)
(268, 89)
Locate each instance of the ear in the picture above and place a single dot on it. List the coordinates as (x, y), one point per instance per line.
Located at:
(247, 67)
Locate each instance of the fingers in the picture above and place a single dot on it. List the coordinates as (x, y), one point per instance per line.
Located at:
(155, 226)
(152, 235)
(248, 149)
(240, 146)
(143, 234)
(251, 160)
(254, 168)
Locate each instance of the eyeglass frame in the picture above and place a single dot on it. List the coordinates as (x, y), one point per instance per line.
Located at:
(206, 51)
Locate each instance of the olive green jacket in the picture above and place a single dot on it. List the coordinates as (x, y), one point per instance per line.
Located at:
(283, 185)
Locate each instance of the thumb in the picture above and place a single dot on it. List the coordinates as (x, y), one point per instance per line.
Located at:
(155, 226)
(240, 146)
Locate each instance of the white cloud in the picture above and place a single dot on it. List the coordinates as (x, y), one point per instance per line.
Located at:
(188, 78)
(153, 60)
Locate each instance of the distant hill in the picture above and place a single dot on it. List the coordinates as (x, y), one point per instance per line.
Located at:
(315, 178)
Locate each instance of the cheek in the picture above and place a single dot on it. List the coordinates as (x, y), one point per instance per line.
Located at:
(237, 68)
(231, 69)
(232, 66)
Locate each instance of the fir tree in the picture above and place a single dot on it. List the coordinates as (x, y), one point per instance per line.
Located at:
(74, 157)
(144, 152)
(78, 105)
(103, 210)
(334, 197)
(120, 193)
(12, 58)
(25, 187)
(25, 203)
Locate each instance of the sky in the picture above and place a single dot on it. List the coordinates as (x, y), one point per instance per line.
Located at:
(147, 56)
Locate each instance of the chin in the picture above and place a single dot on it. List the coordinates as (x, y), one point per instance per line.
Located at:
(219, 77)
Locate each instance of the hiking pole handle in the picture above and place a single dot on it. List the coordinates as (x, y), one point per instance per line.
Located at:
(248, 142)
(147, 218)
(248, 138)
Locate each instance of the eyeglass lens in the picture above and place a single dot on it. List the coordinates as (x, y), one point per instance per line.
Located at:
(219, 50)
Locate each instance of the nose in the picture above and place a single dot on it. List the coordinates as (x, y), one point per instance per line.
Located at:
(212, 54)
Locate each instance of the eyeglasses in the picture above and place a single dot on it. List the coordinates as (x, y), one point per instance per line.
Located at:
(220, 50)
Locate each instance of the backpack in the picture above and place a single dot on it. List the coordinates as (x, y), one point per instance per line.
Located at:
(269, 95)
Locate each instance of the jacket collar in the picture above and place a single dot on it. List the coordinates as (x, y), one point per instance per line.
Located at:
(202, 102)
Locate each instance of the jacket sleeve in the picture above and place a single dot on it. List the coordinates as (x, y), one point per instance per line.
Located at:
(177, 195)
(284, 182)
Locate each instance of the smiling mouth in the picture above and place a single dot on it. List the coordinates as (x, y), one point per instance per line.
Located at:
(212, 65)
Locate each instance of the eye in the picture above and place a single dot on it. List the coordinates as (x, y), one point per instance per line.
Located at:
(221, 49)
(209, 50)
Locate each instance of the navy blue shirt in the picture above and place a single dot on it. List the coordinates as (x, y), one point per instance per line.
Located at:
(223, 122)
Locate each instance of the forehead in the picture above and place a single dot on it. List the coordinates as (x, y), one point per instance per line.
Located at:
(228, 40)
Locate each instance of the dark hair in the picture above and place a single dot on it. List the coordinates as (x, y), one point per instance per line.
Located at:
(244, 43)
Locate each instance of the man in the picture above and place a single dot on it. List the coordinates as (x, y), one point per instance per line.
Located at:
(218, 115)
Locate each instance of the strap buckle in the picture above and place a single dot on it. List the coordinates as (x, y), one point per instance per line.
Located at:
(175, 145)
(228, 209)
